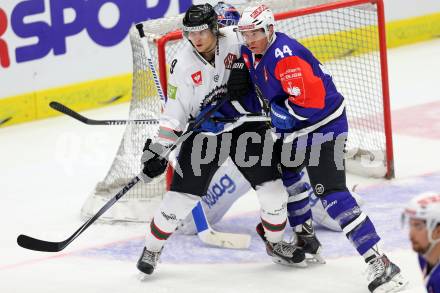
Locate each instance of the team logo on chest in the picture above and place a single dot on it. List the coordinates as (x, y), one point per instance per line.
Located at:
(229, 60)
(293, 90)
(197, 78)
(216, 77)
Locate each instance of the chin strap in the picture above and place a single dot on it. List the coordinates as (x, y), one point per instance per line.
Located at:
(432, 244)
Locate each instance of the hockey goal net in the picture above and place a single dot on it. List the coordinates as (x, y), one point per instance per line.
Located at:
(347, 36)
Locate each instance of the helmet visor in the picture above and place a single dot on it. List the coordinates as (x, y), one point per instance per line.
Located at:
(411, 221)
(203, 34)
(253, 35)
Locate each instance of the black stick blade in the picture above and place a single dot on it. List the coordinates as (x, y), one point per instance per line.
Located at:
(39, 245)
(63, 109)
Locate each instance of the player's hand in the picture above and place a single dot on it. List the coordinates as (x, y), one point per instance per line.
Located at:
(153, 164)
(239, 83)
(210, 125)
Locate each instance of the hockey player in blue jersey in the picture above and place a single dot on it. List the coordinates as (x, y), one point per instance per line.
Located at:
(298, 207)
(422, 215)
(308, 114)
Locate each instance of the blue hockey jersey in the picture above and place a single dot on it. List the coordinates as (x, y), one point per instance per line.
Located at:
(431, 276)
(289, 75)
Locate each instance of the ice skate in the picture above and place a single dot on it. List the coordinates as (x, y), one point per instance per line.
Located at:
(282, 252)
(384, 275)
(147, 261)
(307, 240)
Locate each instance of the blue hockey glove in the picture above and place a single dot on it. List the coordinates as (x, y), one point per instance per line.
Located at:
(280, 116)
(210, 125)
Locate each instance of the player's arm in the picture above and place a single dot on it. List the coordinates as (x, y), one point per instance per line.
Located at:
(177, 109)
(172, 122)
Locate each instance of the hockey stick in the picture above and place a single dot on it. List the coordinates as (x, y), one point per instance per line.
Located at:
(49, 246)
(69, 112)
(63, 109)
(215, 238)
(75, 115)
(247, 118)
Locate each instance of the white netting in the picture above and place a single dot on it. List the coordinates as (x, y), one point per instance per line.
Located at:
(139, 203)
(344, 39)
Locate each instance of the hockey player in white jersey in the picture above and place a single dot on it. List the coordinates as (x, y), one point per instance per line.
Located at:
(198, 77)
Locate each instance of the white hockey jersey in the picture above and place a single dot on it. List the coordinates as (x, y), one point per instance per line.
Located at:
(194, 83)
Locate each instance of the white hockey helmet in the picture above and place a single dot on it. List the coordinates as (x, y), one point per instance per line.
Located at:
(256, 17)
(426, 207)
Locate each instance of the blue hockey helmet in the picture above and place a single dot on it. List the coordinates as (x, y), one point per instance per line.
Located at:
(226, 14)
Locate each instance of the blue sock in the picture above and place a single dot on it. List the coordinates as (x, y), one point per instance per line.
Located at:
(298, 205)
(356, 225)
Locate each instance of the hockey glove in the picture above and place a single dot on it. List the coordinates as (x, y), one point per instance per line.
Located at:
(153, 164)
(210, 125)
(239, 83)
(280, 116)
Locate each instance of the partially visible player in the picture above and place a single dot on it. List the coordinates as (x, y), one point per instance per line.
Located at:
(422, 215)
(308, 114)
(226, 14)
